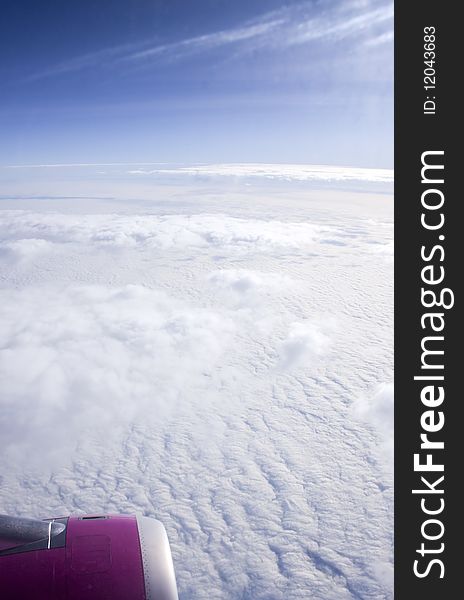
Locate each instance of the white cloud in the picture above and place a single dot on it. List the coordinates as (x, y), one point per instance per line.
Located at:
(286, 172)
(167, 231)
(23, 250)
(246, 288)
(305, 341)
(385, 249)
(97, 357)
(245, 281)
(377, 410)
(141, 369)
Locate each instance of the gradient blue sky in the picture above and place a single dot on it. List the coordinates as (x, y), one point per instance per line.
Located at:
(197, 81)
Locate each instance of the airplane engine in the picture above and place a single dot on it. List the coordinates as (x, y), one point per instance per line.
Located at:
(85, 557)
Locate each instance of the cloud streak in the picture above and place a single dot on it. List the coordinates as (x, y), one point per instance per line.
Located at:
(209, 41)
(339, 26)
(79, 165)
(273, 31)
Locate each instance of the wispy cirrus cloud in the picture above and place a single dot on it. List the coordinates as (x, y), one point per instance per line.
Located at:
(210, 40)
(78, 165)
(103, 57)
(294, 25)
(340, 25)
(383, 38)
(147, 50)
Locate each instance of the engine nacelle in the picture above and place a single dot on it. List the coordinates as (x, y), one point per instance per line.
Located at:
(85, 557)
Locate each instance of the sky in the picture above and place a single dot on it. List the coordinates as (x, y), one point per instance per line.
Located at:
(210, 81)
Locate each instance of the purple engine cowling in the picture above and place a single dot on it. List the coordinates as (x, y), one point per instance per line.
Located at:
(85, 557)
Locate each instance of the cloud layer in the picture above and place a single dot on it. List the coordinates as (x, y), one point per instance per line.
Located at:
(160, 232)
(278, 171)
(201, 363)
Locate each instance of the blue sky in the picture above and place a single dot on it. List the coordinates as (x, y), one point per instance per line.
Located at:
(203, 81)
